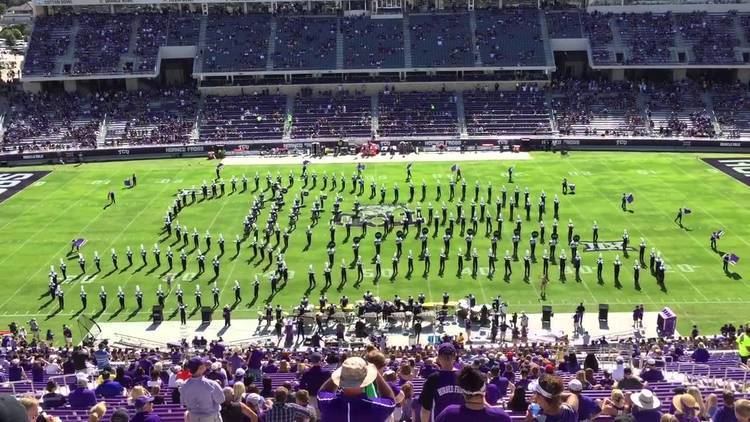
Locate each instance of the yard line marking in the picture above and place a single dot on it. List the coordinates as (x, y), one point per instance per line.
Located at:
(705, 210)
(92, 221)
(663, 256)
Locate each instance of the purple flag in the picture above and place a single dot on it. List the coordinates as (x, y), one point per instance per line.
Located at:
(734, 259)
(630, 198)
(78, 243)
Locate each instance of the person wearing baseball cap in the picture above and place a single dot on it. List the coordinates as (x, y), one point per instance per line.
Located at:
(201, 397)
(314, 376)
(441, 388)
(351, 402)
(143, 410)
(588, 408)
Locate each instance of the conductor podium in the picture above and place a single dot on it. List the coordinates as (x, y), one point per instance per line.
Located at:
(206, 313)
(666, 323)
(546, 316)
(157, 314)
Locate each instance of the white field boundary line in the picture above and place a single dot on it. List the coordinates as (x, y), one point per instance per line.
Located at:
(510, 303)
(422, 157)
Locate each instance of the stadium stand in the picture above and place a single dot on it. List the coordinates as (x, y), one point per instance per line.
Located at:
(373, 43)
(332, 116)
(236, 43)
(507, 113)
(510, 37)
(424, 113)
(305, 43)
(243, 118)
(441, 40)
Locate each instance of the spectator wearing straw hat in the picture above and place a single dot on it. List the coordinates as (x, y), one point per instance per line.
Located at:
(351, 402)
(645, 406)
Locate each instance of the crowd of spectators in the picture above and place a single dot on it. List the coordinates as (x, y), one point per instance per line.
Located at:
(713, 37)
(449, 381)
(597, 107)
(329, 115)
(417, 113)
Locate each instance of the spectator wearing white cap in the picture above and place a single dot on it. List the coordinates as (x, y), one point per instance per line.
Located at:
(588, 409)
(651, 373)
(645, 406)
(619, 372)
(82, 397)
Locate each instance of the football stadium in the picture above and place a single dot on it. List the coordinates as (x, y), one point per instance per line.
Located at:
(375, 210)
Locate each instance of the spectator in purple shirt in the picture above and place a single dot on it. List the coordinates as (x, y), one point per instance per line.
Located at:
(645, 406)
(700, 354)
(82, 397)
(440, 388)
(143, 410)
(588, 409)
(351, 402)
(499, 381)
(726, 411)
(52, 398)
(474, 408)
(314, 376)
(109, 388)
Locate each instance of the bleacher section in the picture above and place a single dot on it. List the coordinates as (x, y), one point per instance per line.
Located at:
(122, 44)
(337, 116)
(597, 108)
(373, 43)
(236, 43)
(305, 43)
(510, 37)
(242, 118)
(564, 24)
(49, 42)
(417, 114)
(506, 113)
(442, 40)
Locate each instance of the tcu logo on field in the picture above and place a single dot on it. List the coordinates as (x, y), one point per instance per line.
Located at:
(11, 183)
(603, 246)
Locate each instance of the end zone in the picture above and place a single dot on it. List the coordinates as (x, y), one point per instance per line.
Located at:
(12, 183)
(738, 168)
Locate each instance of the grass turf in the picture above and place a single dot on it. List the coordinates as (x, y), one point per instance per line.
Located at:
(38, 224)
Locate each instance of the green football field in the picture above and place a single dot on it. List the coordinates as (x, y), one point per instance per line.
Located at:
(38, 223)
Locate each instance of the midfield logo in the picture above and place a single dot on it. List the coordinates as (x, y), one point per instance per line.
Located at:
(603, 246)
(12, 183)
(374, 215)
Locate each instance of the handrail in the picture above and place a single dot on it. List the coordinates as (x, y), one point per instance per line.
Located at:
(12, 385)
